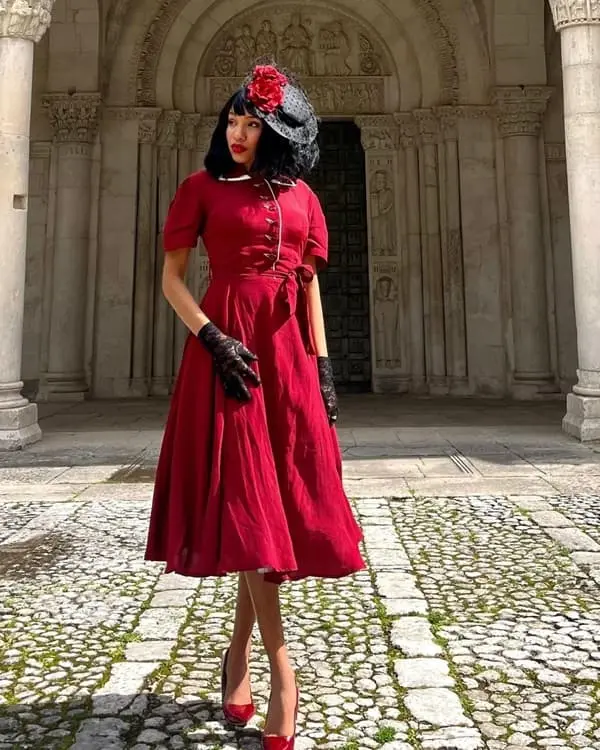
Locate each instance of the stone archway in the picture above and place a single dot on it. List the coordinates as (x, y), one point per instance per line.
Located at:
(358, 66)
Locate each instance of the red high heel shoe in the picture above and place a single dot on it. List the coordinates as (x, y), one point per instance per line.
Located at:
(275, 742)
(237, 715)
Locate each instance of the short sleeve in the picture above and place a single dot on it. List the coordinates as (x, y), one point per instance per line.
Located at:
(317, 243)
(185, 218)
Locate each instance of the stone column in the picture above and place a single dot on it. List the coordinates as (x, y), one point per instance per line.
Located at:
(187, 139)
(74, 119)
(433, 287)
(519, 111)
(452, 253)
(188, 135)
(579, 24)
(390, 355)
(145, 253)
(167, 167)
(408, 141)
(21, 26)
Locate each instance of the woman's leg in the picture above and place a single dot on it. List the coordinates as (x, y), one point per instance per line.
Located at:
(238, 676)
(265, 597)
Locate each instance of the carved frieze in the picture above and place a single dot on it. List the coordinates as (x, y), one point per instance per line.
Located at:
(329, 95)
(520, 109)
(25, 19)
(74, 118)
(575, 12)
(309, 41)
(378, 132)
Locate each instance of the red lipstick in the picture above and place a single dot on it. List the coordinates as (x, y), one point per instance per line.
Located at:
(237, 149)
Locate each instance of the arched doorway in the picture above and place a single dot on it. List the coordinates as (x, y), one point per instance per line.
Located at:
(339, 181)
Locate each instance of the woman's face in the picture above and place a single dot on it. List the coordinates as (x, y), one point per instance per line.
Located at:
(243, 134)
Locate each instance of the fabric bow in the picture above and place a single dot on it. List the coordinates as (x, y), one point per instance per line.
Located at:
(294, 297)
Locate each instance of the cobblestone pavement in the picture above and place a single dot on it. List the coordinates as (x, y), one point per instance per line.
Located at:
(477, 625)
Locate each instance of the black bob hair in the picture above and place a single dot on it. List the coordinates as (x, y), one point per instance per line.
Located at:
(276, 157)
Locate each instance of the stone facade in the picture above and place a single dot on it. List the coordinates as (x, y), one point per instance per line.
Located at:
(474, 287)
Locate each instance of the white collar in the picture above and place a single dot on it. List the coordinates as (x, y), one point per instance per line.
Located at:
(243, 177)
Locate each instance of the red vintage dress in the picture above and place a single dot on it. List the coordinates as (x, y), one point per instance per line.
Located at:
(253, 486)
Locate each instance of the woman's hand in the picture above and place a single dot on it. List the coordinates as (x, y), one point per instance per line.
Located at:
(328, 388)
(232, 361)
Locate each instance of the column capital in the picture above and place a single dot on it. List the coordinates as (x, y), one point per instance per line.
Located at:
(575, 12)
(147, 118)
(448, 119)
(408, 129)
(167, 128)
(378, 132)
(25, 19)
(520, 109)
(429, 125)
(205, 129)
(74, 117)
(187, 130)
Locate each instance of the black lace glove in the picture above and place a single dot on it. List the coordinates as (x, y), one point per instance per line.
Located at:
(231, 361)
(328, 388)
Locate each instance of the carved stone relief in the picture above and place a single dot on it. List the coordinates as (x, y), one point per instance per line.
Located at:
(575, 12)
(25, 19)
(187, 131)
(383, 214)
(167, 128)
(73, 118)
(519, 109)
(329, 95)
(386, 314)
(308, 41)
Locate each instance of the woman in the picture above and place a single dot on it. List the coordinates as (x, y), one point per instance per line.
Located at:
(249, 476)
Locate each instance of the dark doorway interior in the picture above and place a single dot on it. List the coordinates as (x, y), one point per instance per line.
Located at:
(339, 181)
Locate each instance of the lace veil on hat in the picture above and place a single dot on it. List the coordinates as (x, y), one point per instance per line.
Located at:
(282, 103)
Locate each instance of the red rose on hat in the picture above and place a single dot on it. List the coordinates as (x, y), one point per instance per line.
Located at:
(265, 90)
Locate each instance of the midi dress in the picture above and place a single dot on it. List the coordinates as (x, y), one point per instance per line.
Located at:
(253, 486)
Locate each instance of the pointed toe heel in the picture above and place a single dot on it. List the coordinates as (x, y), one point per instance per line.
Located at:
(237, 715)
(274, 742)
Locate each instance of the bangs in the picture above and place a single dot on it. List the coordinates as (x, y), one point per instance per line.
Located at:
(241, 105)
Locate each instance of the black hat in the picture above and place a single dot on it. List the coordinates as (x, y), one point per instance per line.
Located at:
(282, 104)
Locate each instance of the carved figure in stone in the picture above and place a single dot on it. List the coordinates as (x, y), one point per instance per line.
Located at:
(328, 99)
(296, 42)
(266, 40)
(369, 61)
(382, 214)
(245, 50)
(225, 58)
(577, 10)
(335, 48)
(387, 322)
